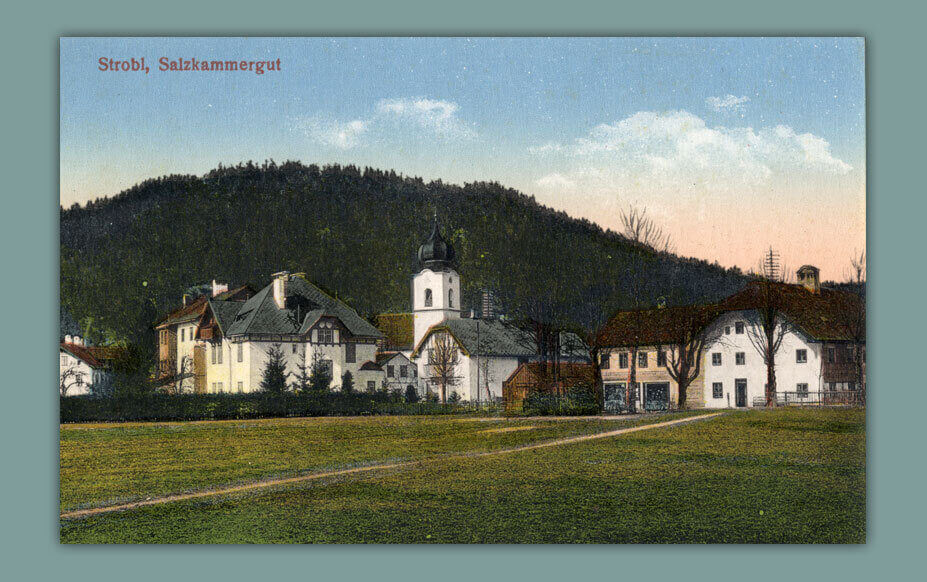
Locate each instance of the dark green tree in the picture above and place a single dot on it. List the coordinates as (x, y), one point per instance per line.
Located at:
(347, 382)
(320, 378)
(273, 379)
(411, 394)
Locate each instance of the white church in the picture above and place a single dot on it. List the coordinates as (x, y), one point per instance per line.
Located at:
(488, 349)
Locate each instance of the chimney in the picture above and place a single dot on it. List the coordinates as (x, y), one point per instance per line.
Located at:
(487, 306)
(185, 296)
(219, 288)
(809, 277)
(280, 280)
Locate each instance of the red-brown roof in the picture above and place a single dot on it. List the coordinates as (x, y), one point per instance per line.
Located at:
(399, 329)
(826, 315)
(196, 307)
(650, 327)
(95, 357)
(568, 371)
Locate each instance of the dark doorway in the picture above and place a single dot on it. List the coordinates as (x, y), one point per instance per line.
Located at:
(656, 396)
(740, 393)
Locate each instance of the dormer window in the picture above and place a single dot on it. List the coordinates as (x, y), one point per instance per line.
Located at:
(428, 298)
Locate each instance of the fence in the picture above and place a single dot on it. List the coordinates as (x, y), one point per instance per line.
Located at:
(819, 398)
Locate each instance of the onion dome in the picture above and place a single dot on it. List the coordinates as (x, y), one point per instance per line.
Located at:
(436, 253)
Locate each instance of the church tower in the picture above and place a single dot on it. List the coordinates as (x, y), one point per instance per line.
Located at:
(436, 286)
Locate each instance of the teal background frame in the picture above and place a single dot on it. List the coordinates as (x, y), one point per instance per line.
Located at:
(29, 237)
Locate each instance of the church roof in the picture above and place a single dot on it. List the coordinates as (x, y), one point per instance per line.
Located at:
(495, 338)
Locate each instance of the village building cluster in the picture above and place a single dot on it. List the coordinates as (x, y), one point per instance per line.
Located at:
(695, 356)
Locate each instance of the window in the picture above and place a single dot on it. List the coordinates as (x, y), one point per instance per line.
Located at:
(64, 360)
(414, 372)
(716, 359)
(326, 335)
(661, 358)
(717, 390)
(221, 387)
(213, 385)
(801, 356)
(450, 298)
(739, 327)
(403, 371)
(241, 352)
(241, 387)
(851, 385)
(727, 330)
(350, 353)
(831, 355)
(163, 336)
(428, 300)
(183, 334)
(212, 356)
(604, 361)
(623, 360)
(218, 353)
(390, 371)
(802, 389)
(371, 385)
(642, 359)
(293, 346)
(740, 358)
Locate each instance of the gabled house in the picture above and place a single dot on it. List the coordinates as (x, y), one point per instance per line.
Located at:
(400, 372)
(821, 345)
(656, 345)
(176, 337)
(308, 325)
(84, 370)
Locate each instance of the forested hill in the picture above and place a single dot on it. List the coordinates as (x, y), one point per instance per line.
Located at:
(127, 259)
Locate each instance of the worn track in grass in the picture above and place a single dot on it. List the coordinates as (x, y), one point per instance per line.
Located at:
(81, 513)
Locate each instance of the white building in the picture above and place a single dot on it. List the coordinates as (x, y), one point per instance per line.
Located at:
(487, 350)
(307, 325)
(734, 370)
(821, 329)
(82, 369)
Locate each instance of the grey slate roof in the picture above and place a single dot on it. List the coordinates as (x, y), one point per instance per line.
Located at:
(500, 339)
(225, 312)
(306, 303)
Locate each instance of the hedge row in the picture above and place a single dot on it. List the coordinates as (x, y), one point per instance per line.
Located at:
(576, 403)
(163, 407)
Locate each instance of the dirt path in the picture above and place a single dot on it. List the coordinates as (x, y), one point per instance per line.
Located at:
(80, 513)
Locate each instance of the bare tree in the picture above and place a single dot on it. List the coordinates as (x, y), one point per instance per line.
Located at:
(487, 377)
(640, 228)
(691, 332)
(71, 377)
(767, 324)
(442, 363)
(852, 317)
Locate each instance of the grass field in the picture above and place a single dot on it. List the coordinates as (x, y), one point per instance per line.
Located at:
(761, 476)
(104, 464)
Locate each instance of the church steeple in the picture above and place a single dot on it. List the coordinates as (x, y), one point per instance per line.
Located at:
(436, 253)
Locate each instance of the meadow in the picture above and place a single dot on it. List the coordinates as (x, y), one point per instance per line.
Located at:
(789, 476)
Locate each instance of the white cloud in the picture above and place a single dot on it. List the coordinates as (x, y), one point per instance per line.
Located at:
(434, 115)
(556, 181)
(729, 101)
(390, 118)
(335, 134)
(677, 150)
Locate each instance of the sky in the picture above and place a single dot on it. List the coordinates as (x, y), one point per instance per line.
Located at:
(732, 145)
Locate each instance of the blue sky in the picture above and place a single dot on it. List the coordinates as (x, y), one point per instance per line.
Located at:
(697, 130)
